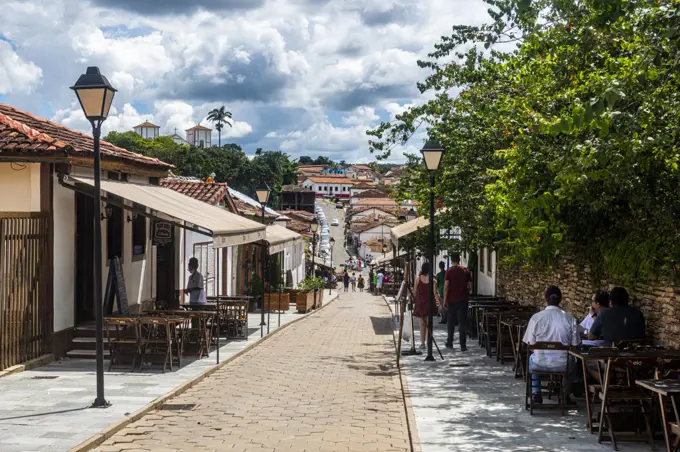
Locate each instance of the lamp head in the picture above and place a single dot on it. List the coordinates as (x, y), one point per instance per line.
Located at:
(432, 155)
(95, 94)
(314, 225)
(263, 194)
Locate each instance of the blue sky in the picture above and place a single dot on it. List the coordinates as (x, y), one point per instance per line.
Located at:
(304, 76)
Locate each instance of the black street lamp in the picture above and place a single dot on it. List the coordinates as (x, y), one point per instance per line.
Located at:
(262, 194)
(332, 242)
(384, 250)
(95, 95)
(432, 155)
(314, 226)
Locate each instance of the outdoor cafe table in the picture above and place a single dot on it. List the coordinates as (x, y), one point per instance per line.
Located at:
(202, 317)
(516, 327)
(664, 388)
(601, 354)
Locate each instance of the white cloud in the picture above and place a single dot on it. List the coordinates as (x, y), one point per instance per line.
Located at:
(16, 74)
(283, 67)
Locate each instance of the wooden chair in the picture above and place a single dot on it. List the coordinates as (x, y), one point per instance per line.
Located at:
(555, 379)
(123, 336)
(622, 406)
(669, 369)
(159, 340)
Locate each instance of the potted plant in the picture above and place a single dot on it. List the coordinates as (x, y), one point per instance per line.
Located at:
(275, 301)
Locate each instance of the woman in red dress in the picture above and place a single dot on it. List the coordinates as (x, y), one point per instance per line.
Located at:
(422, 294)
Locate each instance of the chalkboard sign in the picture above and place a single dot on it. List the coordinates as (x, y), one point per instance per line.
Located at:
(115, 287)
(162, 233)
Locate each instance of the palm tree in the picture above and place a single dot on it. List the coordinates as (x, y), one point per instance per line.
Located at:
(220, 117)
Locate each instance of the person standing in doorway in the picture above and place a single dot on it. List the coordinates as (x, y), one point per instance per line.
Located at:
(353, 281)
(440, 289)
(457, 285)
(345, 280)
(195, 286)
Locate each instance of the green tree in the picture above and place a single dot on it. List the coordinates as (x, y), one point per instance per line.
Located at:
(220, 117)
(305, 160)
(566, 142)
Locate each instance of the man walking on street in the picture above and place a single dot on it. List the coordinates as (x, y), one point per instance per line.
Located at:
(457, 285)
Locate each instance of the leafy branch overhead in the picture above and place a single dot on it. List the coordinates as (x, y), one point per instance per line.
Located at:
(560, 120)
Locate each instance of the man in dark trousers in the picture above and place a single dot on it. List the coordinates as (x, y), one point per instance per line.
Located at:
(457, 285)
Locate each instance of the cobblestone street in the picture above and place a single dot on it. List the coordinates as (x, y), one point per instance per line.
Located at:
(327, 383)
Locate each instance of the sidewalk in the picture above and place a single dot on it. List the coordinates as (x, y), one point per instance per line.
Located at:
(46, 409)
(469, 402)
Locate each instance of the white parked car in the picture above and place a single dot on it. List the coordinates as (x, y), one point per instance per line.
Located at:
(335, 222)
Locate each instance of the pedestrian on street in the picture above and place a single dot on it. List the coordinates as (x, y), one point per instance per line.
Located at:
(440, 288)
(422, 294)
(371, 284)
(353, 280)
(457, 285)
(361, 283)
(345, 280)
(379, 282)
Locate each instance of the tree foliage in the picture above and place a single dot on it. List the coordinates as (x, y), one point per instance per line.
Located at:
(560, 120)
(229, 163)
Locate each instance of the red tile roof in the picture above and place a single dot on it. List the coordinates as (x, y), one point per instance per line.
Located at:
(71, 142)
(16, 137)
(332, 180)
(199, 127)
(382, 202)
(363, 227)
(211, 193)
(371, 193)
(147, 124)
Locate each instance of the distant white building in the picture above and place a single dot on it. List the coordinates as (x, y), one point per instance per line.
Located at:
(178, 139)
(199, 136)
(147, 130)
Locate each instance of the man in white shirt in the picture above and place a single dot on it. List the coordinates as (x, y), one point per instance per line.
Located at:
(550, 325)
(379, 284)
(195, 288)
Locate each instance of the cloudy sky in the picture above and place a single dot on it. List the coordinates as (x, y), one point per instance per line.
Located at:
(304, 76)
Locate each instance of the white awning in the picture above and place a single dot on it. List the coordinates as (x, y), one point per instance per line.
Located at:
(280, 238)
(407, 228)
(322, 262)
(227, 228)
(389, 256)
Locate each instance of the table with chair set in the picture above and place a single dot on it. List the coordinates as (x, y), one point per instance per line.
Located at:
(168, 332)
(640, 379)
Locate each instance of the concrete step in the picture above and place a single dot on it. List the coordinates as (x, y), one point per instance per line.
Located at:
(85, 343)
(85, 354)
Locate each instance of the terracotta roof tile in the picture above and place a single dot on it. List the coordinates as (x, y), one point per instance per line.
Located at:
(16, 137)
(382, 202)
(371, 193)
(362, 227)
(211, 193)
(332, 180)
(77, 143)
(199, 127)
(147, 124)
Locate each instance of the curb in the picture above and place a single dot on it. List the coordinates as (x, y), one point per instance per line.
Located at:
(28, 365)
(413, 437)
(111, 430)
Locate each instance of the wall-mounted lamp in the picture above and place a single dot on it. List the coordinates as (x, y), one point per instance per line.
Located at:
(108, 214)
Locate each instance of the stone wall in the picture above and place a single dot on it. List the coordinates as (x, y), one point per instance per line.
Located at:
(660, 303)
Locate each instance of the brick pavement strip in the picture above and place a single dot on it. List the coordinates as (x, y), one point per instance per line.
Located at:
(328, 383)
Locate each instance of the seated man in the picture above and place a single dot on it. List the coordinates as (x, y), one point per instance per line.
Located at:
(598, 304)
(620, 322)
(550, 325)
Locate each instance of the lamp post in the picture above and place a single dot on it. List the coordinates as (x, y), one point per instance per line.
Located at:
(314, 226)
(95, 95)
(262, 194)
(384, 250)
(332, 242)
(432, 155)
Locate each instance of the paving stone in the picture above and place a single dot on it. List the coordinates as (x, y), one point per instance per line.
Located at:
(325, 384)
